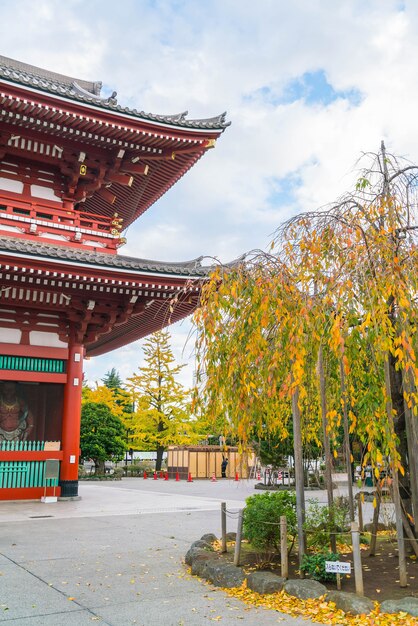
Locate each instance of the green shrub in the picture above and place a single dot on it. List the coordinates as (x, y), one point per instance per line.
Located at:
(314, 565)
(322, 521)
(261, 519)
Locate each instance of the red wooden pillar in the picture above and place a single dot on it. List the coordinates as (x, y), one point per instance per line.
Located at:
(71, 422)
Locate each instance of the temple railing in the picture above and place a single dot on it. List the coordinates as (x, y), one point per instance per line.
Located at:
(22, 464)
(36, 218)
(19, 446)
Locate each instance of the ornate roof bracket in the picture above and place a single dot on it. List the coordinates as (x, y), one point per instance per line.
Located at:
(83, 92)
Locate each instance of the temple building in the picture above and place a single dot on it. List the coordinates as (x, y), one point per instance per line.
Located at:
(76, 169)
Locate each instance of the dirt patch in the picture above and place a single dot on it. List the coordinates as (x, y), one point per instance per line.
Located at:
(380, 572)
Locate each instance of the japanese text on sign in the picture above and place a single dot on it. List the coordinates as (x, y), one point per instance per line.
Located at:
(337, 567)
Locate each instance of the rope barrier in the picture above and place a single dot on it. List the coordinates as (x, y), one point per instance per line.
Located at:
(235, 514)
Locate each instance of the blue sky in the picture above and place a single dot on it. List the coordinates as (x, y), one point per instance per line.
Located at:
(312, 88)
(308, 86)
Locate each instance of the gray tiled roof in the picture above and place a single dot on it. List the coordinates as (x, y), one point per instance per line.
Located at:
(111, 261)
(89, 93)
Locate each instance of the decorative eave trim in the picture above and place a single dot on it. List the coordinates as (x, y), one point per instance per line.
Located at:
(106, 268)
(189, 127)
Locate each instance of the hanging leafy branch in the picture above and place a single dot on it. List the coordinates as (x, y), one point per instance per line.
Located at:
(339, 287)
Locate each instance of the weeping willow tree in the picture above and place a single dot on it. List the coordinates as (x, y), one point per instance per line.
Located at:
(321, 330)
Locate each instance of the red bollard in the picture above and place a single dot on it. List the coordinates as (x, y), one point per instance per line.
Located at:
(155, 476)
(177, 477)
(190, 479)
(236, 477)
(161, 474)
(166, 476)
(145, 475)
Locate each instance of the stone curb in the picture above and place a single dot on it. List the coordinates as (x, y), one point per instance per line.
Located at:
(204, 563)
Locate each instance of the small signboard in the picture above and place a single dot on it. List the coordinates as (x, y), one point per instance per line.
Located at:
(337, 567)
(52, 469)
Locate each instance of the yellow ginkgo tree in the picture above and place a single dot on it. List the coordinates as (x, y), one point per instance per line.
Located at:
(162, 405)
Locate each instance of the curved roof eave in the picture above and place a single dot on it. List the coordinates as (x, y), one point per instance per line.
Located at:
(67, 88)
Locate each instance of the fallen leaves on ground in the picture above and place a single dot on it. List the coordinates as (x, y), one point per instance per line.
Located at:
(346, 548)
(318, 610)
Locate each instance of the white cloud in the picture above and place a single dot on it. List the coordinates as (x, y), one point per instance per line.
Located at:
(238, 55)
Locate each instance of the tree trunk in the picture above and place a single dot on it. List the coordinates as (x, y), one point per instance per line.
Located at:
(400, 423)
(411, 421)
(403, 425)
(348, 464)
(160, 452)
(396, 490)
(300, 493)
(99, 467)
(327, 447)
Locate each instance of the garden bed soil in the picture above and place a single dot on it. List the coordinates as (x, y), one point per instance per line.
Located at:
(380, 572)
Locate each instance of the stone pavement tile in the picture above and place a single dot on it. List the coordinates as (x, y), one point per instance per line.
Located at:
(131, 496)
(126, 590)
(23, 595)
(108, 579)
(194, 611)
(91, 537)
(75, 618)
(120, 568)
(51, 538)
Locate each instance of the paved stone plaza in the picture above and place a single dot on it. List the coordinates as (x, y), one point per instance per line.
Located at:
(116, 557)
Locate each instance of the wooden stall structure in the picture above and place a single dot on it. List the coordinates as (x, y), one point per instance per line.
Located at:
(206, 461)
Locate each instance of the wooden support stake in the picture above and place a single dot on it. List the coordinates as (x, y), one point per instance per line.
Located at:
(338, 582)
(223, 525)
(237, 553)
(283, 547)
(358, 572)
(375, 524)
(360, 512)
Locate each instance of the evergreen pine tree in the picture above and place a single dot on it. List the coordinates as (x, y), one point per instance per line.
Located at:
(112, 379)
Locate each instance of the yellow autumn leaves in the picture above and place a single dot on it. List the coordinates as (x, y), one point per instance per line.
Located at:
(319, 610)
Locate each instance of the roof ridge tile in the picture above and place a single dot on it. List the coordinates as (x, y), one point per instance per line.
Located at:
(89, 92)
(116, 261)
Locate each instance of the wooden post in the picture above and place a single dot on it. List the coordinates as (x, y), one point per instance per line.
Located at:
(237, 553)
(223, 525)
(300, 492)
(358, 572)
(284, 560)
(360, 512)
(327, 447)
